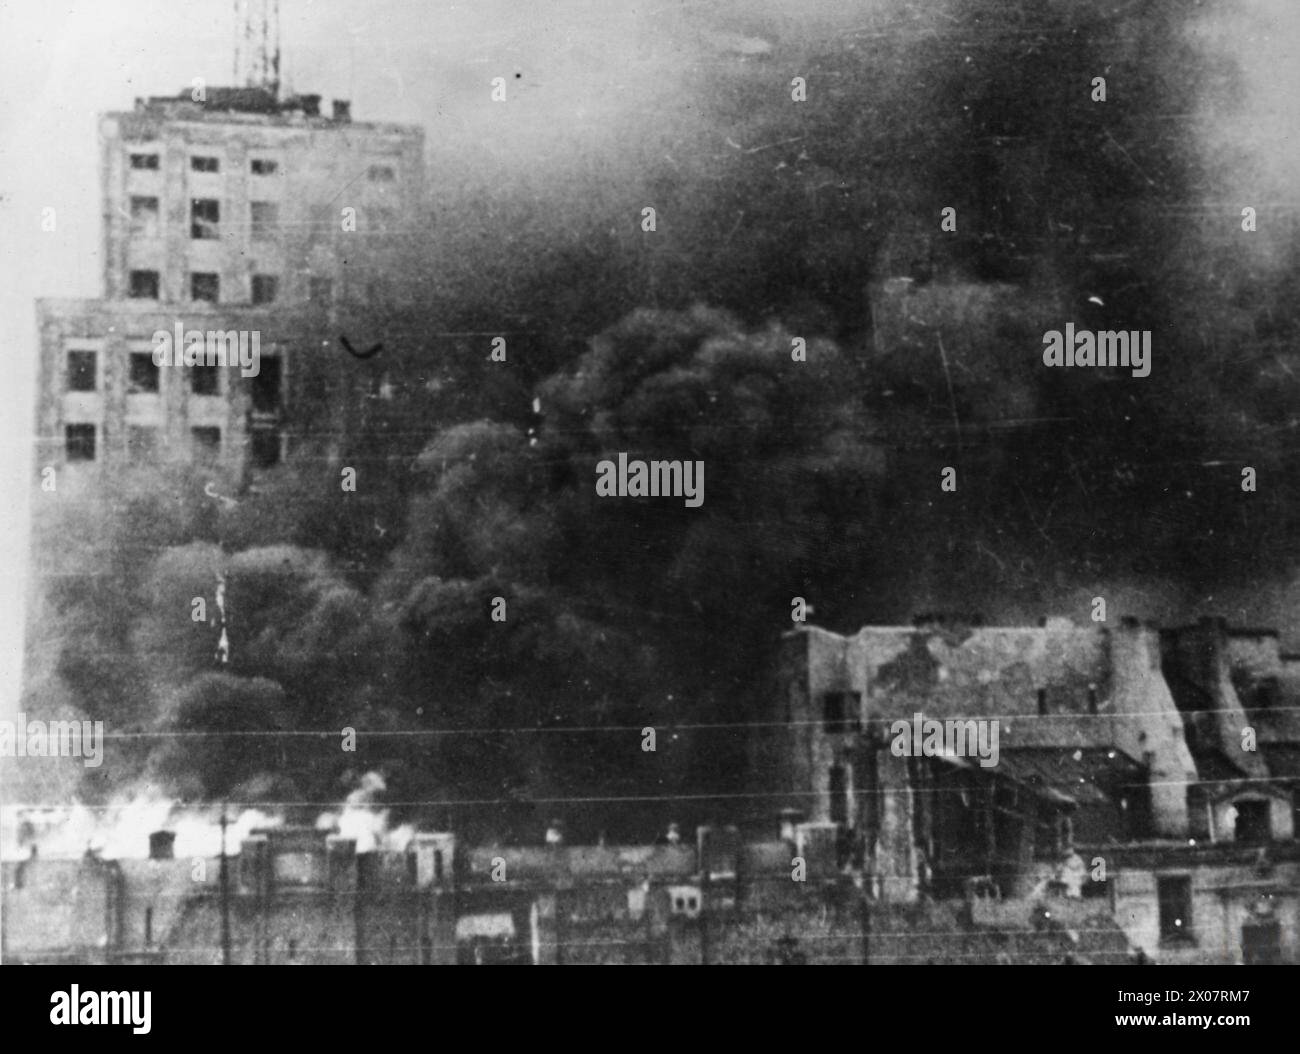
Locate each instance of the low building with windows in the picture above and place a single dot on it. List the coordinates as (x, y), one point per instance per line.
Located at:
(1151, 773)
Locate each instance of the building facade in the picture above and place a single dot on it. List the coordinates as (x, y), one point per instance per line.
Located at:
(257, 224)
(1150, 771)
(304, 896)
(1140, 797)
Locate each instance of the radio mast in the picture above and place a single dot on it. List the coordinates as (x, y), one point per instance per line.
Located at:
(257, 45)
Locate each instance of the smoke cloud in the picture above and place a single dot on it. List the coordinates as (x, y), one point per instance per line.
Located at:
(779, 221)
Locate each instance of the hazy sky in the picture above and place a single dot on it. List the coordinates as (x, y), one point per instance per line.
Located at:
(585, 68)
(596, 79)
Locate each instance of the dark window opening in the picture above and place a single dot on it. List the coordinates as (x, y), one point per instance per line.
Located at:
(437, 865)
(145, 161)
(1042, 702)
(79, 442)
(1261, 943)
(382, 174)
(1047, 832)
(148, 925)
(265, 447)
(293, 949)
(205, 164)
(266, 386)
(143, 377)
(1136, 810)
(207, 441)
(839, 795)
(205, 379)
(1096, 887)
(1262, 694)
(144, 285)
(1064, 832)
(262, 167)
(1092, 698)
(1252, 827)
(205, 217)
(205, 286)
(81, 371)
(1174, 894)
(265, 287)
(840, 711)
(144, 216)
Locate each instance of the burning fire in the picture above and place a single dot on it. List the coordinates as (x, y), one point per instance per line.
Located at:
(365, 821)
(121, 830)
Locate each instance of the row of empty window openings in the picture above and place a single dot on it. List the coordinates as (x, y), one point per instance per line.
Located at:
(258, 166)
(263, 218)
(143, 378)
(840, 710)
(80, 444)
(206, 286)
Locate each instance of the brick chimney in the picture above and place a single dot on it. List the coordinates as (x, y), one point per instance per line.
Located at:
(434, 854)
(341, 863)
(162, 845)
(255, 865)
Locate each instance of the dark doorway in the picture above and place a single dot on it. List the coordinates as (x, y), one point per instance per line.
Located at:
(839, 795)
(1261, 943)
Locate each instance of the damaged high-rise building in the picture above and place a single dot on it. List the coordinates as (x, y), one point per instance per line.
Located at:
(237, 213)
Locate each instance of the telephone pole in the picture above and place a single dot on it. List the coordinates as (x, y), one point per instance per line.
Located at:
(225, 893)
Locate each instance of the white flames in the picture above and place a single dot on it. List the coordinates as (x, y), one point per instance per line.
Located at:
(365, 820)
(121, 829)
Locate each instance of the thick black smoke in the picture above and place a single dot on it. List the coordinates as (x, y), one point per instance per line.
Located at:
(777, 220)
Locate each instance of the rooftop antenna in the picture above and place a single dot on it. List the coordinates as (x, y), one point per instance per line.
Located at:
(275, 55)
(257, 44)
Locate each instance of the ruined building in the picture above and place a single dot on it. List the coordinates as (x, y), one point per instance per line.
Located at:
(239, 213)
(1140, 794)
(1154, 771)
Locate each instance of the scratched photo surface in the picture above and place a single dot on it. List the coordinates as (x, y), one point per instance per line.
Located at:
(764, 481)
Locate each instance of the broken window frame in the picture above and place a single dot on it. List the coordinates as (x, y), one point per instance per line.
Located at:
(134, 384)
(75, 445)
(205, 228)
(1174, 892)
(146, 215)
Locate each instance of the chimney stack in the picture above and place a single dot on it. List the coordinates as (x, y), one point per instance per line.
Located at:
(162, 845)
(341, 863)
(255, 864)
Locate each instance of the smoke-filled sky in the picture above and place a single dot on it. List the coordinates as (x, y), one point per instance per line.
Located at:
(601, 92)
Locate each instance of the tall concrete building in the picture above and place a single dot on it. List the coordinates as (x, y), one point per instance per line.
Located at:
(242, 214)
